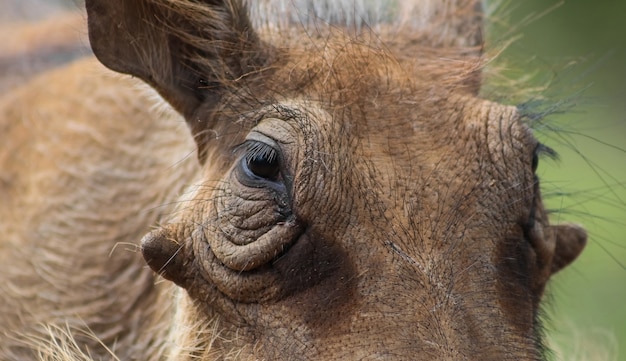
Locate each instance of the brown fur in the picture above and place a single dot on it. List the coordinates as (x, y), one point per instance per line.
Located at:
(404, 220)
(57, 201)
(31, 46)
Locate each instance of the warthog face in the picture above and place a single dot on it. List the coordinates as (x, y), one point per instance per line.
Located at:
(358, 200)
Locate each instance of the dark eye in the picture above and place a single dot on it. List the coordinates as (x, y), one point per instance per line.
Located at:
(540, 150)
(201, 88)
(262, 160)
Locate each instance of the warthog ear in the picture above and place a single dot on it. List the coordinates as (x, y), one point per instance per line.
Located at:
(189, 51)
(570, 241)
(555, 246)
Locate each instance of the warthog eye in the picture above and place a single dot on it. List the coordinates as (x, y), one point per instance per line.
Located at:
(540, 150)
(203, 83)
(261, 160)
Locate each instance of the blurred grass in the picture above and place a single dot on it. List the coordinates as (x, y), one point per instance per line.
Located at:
(579, 47)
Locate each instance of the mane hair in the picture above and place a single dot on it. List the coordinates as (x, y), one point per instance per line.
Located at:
(415, 15)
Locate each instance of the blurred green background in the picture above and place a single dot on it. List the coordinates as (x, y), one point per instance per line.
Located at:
(578, 48)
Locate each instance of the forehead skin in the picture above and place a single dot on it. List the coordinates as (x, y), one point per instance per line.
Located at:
(413, 191)
(384, 122)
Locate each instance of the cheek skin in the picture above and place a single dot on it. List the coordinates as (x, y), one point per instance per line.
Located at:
(513, 263)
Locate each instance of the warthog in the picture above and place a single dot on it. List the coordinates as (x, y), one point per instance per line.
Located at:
(343, 194)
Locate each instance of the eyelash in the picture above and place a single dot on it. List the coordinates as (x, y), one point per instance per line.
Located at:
(254, 149)
(542, 150)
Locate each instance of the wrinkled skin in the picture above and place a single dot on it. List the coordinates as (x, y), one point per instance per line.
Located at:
(353, 200)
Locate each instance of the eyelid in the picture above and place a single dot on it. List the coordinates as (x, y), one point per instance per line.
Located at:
(261, 138)
(256, 138)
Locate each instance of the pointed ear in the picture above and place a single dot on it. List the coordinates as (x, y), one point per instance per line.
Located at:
(555, 246)
(570, 242)
(189, 51)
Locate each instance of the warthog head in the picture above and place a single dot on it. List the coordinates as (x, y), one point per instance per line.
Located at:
(358, 200)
